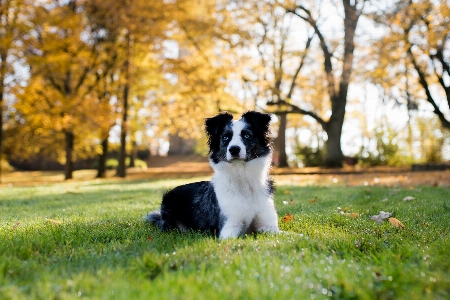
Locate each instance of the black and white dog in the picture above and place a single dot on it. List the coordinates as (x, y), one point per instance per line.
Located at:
(239, 197)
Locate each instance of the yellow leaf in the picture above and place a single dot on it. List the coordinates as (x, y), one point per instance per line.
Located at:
(313, 200)
(396, 222)
(287, 218)
(54, 221)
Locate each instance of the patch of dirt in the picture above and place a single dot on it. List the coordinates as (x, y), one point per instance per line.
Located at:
(193, 166)
(394, 178)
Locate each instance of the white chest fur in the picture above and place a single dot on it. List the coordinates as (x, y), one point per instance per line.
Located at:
(244, 199)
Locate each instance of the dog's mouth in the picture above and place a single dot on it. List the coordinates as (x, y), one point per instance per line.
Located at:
(236, 159)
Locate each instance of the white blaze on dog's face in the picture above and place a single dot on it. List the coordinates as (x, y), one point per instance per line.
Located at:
(236, 147)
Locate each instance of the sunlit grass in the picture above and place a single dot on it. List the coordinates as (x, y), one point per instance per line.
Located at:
(88, 240)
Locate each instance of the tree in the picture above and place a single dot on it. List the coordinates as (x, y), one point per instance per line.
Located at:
(197, 64)
(418, 37)
(64, 56)
(271, 60)
(143, 25)
(337, 81)
(12, 26)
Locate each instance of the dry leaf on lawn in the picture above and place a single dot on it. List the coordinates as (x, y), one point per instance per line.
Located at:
(313, 200)
(54, 221)
(15, 226)
(396, 222)
(383, 215)
(287, 218)
(408, 198)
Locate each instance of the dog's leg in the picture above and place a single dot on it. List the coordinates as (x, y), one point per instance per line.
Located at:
(230, 230)
(267, 221)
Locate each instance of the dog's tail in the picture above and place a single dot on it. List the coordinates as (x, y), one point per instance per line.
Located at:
(155, 218)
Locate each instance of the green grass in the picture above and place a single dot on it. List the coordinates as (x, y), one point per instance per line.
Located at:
(87, 240)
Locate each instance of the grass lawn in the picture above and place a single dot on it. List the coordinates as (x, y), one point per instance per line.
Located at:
(87, 240)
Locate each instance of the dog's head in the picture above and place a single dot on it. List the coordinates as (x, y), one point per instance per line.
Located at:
(242, 140)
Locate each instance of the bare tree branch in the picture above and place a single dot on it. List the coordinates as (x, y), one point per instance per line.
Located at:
(300, 66)
(328, 66)
(294, 109)
(424, 83)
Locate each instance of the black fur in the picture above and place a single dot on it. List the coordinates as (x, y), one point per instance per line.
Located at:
(190, 206)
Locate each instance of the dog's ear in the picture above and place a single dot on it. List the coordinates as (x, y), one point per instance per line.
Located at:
(214, 125)
(258, 120)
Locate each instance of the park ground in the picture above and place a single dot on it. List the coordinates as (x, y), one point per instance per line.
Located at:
(86, 239)
(185, 167)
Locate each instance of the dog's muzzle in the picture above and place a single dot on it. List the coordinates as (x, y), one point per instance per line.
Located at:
(234, 151)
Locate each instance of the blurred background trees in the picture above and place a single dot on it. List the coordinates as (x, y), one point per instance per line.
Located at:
(83, 81)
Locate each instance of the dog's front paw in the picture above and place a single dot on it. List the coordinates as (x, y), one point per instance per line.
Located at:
(268, 229)
(230, 232)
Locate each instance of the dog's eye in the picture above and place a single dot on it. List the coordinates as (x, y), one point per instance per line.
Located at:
(246, 136)
(225, 138)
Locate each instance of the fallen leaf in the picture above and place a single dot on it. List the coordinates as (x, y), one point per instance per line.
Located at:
(292, 201)
(353, 215)
(313, 200)
(53, 221)
(396, 222)
(149, 238)
(15, 226)
(73, 192)
(287, 192)
(408, 198)
(287, 218)
(383, 215)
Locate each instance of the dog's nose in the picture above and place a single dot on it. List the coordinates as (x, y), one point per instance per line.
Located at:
(234, 150)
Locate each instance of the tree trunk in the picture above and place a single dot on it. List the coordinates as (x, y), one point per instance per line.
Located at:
(2, 90)
(101, 169)
(280, 143)
(133, 155)
(334, 156)
(121, 168)
(68, 168)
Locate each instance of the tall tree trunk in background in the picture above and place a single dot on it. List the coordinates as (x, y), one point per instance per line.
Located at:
(133, 155)
(334, 157)
(2, 91)
(68, 168)
(101, 169)
(280, 142)
(121, 168)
